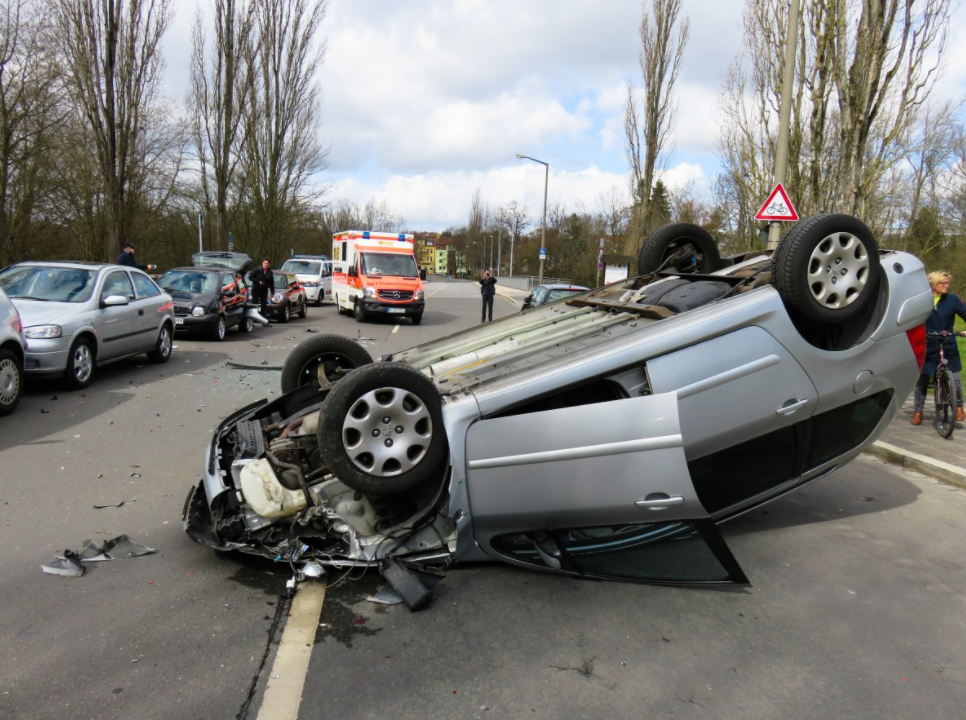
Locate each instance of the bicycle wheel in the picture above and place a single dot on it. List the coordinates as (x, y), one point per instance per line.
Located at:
(945, 407)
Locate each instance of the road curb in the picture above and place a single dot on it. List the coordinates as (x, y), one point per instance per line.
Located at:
(942, 471)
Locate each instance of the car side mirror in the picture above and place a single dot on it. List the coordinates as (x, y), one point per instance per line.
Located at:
(528, 300)
(353, 272)
(114, 301)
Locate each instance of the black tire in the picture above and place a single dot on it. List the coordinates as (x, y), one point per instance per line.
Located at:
(11, 381)
(360, 314)
(417, 319)
(246, 325)
(285, 314)
(945, 404)
(221, 327)
(374, 456)
(335, 353)
(80, 364)
(699, 250)
(164, 345)
(304, 310)
(827, 268)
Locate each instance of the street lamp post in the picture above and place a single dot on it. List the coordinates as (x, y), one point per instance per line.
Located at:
(543, 231)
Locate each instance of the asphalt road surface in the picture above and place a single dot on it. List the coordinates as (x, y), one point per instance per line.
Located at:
(856, 607)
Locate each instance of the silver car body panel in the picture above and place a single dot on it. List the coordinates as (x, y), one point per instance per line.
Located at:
(546, 469)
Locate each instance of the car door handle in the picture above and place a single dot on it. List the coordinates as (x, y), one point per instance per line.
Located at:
(659, 501)
(790, 406)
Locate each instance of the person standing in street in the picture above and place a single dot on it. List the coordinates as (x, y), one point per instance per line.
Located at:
(126, 258)
(487, 291)
(947, 306)
(263, 284)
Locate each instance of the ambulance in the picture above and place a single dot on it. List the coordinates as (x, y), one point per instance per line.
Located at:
(375, 274)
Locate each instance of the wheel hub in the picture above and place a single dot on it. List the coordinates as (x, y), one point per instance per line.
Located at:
(9, 382)
(838, 269)
(387, 432)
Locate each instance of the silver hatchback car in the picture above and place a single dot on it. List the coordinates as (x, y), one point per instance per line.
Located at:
(602, 436)
(77, 316)
(11, 356)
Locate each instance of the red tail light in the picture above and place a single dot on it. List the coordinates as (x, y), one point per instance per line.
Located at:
(917, 338)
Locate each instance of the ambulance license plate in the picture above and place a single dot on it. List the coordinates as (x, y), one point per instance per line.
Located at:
(396, 310)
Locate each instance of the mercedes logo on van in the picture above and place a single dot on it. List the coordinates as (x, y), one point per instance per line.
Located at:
(395, 294)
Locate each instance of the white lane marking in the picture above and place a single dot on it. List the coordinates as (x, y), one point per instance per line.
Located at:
(283, 695)
(395, 329)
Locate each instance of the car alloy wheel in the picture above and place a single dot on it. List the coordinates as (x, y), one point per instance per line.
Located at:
(162, 349)
(246, 325)
(11, 382)
(220, 328)
(80, 364)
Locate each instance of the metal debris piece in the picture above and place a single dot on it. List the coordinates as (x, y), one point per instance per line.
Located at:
(240, 366)
(103, 507)
(67, 566)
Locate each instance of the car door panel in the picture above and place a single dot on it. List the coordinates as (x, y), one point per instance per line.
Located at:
(611, 462)
(732, 388)
(116, 326)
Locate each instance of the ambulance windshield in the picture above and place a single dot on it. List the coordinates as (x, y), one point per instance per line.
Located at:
(395, 264)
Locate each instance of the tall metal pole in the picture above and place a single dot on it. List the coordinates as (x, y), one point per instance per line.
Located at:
(499, 247)
(543, 232)
(201, 221)
(785, 113)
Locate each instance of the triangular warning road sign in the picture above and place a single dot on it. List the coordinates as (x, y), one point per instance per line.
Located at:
(777, 207)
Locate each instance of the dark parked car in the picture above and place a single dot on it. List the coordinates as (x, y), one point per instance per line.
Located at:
(207, 300)
(236, 262)
(543, 294)
(605, 436)
(289, 298)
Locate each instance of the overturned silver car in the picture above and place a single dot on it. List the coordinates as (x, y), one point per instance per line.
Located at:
(604, 435)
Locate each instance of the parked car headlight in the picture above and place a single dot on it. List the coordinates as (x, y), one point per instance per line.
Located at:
(419, 294)
(310, 283)
(197, 311)
(277, 298)
(38, 332)
(369, 292)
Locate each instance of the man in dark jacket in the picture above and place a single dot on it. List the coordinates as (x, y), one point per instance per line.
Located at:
(488, 291)
(263, 285)
(947, 306)
(127, 258)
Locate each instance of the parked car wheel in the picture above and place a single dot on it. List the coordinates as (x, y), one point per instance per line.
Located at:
(304, 310)
(80, 364)
(220, 328)
(360, 314)
(284, 315)
(246, 325)
(417, 319)
(827, 268)
(382, 429)
(691, 246)
(11, 382)
(333, 353)
(162, 348)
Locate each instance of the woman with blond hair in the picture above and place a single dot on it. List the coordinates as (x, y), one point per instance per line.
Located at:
(947, 306)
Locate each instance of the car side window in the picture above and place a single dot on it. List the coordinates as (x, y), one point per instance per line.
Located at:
(144, 286)
(118, 283)
(538, 295)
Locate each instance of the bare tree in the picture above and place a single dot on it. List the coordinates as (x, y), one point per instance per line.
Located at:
(647, 123)
(30, 115)
(220, 84)
(282, 151)
(111, 54)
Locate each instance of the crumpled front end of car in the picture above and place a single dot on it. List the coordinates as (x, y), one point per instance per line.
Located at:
(267, 490)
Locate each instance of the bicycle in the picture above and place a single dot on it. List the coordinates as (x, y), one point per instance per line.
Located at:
(945, 393)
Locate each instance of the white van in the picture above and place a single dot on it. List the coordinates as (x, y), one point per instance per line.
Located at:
(314, 273)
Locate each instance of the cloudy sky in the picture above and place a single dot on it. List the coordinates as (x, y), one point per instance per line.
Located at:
(425, 101)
